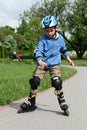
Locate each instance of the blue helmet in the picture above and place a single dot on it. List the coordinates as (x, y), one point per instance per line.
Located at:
(49, 21)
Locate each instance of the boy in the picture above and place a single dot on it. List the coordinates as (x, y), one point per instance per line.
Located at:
(48, 57)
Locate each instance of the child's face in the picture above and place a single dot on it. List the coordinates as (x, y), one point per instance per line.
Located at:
(50, 32)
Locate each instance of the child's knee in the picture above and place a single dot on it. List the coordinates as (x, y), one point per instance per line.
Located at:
(34, 82)
(57, 83)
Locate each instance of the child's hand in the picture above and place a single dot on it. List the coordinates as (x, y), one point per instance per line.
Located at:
(70, 61)
(42, 64)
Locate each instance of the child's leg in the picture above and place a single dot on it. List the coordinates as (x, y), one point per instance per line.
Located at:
(61, 99)
(34, 83)
(57, 84)
(30, 103)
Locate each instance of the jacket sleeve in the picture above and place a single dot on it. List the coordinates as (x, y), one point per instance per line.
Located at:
(63, 49)
(39, 51)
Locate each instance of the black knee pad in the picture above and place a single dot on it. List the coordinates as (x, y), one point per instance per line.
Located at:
(34, 82)
(57, 83)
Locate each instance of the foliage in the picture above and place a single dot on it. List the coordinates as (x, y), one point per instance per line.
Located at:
(77, 26)
(4, 32)
(72, 20)
(10, 43)
(30, 19)
(33, 32)
(72, 17)
(22, 27)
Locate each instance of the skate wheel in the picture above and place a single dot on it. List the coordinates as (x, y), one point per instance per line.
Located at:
(33, 108)
(20, 110)
(66, 112)
(28, 110)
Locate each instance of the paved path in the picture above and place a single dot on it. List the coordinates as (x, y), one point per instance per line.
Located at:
(48, 115)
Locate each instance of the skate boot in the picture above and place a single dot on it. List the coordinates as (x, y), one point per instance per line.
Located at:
(29, 105)
(62, 103)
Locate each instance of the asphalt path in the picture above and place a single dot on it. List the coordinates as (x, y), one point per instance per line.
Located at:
(48, 115)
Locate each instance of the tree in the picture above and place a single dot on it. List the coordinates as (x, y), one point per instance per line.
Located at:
(22, 27)
(72, 20)
(10, 43)
(33, 32)
(4, 31)
(34, 16)
(77, 27)
(19, 38)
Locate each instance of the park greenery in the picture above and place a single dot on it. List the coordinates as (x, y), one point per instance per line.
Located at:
(15, 75)
(72, 17)
(14, 80)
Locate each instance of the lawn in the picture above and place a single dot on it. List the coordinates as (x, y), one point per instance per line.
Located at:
(14, 80)
(77, 62)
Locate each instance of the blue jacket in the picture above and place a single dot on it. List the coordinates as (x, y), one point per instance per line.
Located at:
(49, 50)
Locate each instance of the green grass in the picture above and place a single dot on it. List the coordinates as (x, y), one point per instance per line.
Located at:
(14, 80)
(76, 62)
(15, 75)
